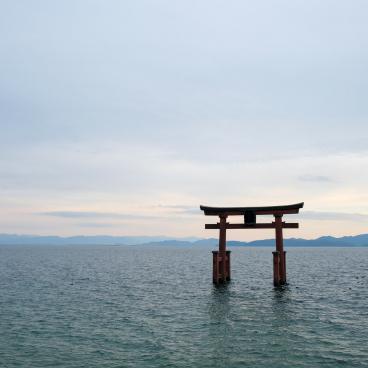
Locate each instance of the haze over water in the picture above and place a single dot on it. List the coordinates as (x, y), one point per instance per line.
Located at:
(63, 306)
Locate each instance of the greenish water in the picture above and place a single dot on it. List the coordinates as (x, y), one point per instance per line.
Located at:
(156, 307)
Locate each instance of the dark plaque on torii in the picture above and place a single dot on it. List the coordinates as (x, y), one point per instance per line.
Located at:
(221, 258)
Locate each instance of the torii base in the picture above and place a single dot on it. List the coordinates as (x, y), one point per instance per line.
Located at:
(221, 272)
(279, 268)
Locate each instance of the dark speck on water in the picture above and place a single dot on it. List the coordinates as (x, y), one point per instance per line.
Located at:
(64, 306)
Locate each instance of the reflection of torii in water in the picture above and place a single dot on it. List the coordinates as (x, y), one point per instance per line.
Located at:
(221, 258)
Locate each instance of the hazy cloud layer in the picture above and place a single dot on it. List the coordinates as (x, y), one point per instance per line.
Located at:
(333, 216)
(119, 111)
(121, 216)
(92, 214)
(315, 178)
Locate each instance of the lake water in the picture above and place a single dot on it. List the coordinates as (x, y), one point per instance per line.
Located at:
(156, 307)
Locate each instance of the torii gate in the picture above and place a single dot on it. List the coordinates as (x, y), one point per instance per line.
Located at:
(221, 258)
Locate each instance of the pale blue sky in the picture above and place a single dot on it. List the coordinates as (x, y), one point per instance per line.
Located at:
(121, 117)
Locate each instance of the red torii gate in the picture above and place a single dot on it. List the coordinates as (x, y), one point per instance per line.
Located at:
(221, 258)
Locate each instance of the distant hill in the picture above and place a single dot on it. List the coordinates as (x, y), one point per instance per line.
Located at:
(324, 241)
(12, 239)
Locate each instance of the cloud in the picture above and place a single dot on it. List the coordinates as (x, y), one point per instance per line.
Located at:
(333, 216)
(96, 225)
(95, 215)
(170, 209)
(183, 209)
(316, 178)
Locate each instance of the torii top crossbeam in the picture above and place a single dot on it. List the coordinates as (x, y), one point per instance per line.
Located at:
(250, 215)
(267, 210)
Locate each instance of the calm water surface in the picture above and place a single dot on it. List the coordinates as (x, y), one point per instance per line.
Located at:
(156, 307)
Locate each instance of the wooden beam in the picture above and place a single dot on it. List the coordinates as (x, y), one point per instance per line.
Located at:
(257, 212)
(285, 225)
(280, 212)
(263, 210)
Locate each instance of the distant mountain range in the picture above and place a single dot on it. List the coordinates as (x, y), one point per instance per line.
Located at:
(10, 239)
(324, 241)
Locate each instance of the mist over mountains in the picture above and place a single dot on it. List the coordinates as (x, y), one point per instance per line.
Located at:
(15, 239)
(324, 241)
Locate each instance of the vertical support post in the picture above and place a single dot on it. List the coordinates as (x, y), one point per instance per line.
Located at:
(228, 273)
(221, 258)
(276, 270)
(222, 246)
(215, 267)
(280, 249)
(222, 239)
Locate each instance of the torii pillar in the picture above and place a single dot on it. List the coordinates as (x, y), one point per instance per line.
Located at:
(221, 258)
(279, 257)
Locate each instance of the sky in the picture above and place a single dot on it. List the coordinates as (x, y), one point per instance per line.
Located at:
(122, 117)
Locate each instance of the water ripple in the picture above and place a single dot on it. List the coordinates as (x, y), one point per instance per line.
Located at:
(156, 307)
